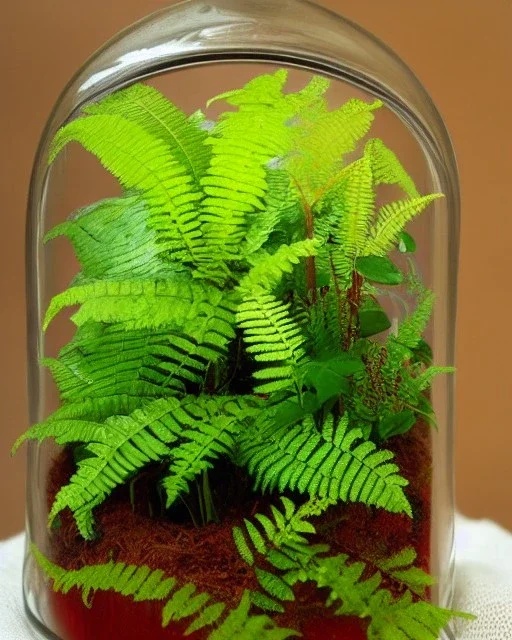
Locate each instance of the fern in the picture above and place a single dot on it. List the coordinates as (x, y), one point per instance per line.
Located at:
(274, 339)
(112, 240)
(400, 568)
(390, 619)
(242, 144)
(105, 361)
(327, 464)
(268, 269)
(424, 380)
(177, 303)
(241, 258)
(281, 217)
(391, 221)
(358, 204)
(240, 625)
(282, 541)
(387, 169)
(122, 445)
(141, 161)
(409, 333)
(180, 602)
(322, 146)
(271, 334)
(148, 108)
(213, 435)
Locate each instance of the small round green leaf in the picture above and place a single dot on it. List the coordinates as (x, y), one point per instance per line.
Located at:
(372, 319)
(406, 243)
(396, 424)
(379, 269)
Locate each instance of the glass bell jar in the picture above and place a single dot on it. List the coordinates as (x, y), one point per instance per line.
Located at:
(242, 255)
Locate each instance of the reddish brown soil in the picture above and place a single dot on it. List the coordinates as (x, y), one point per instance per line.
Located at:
(207, 556)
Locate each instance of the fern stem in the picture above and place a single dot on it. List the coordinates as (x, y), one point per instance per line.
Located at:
(211, 515)
(354, 301)
(339, 298)
(190, 511)
(201, 504)
(310, 234)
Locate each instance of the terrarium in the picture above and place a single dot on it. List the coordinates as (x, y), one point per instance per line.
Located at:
(242, 247)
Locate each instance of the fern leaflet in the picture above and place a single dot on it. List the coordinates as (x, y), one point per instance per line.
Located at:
(274, 339)
(112, 240)
(122, 445)
(145, 106)
(387, 169)
(391, 221)
(141, 161)
(327, 464)
(177, 304)
(180, 602)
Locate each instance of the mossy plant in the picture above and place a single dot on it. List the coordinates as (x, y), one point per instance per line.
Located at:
(230, 314)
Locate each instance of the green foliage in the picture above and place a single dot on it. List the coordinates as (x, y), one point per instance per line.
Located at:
(274, 339)
(104, 362)
(141, 161)
(147, 107)
(390, 619)
(379, 269)
(112, 240)
(391, 221)
(282, 542)
(199, 430)
(401, 568)
(227, 303)
(180, 602)
(327, 463)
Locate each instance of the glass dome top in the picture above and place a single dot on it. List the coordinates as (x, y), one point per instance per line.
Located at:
(293, 32)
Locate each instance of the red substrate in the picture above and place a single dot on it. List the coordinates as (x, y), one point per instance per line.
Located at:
(208, 558)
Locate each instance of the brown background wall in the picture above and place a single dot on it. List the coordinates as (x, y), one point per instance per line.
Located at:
(461, 49)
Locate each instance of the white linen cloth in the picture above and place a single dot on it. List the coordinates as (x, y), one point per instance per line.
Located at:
(483, 583)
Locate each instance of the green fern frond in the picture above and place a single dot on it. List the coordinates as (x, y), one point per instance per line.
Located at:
(323, 145)
(406, 619)
(243, 143)
(104, 361)
(112, 240)
(116, 450)
(268, 269)
(400, 568)
(122, 445)
(411, 330)
(326, 464)
(391, 221)
(274, 339)
(145, 163)
(138, 582)
(240, 625)
(212, 436)
(387, 168)
(182, 602)
(410, 333)
(281, 219)
(177, 304)
(358, 201)
(284, 544)
(145, 106)
(281, 540)
(390, 619)
(424, 380)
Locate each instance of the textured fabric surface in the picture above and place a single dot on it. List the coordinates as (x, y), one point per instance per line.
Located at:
(483, 583)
